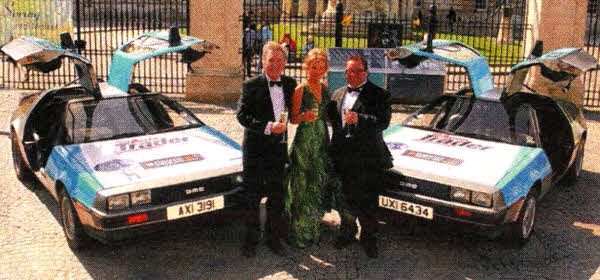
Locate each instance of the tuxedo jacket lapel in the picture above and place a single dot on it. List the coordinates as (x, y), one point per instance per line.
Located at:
(266, 96)
(362, 97)
(358, 104)
(339, 99)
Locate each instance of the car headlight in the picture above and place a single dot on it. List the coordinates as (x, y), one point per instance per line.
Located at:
(482, 199)
(459, 194)
(141, 197)
(118, 202)
(237, 179)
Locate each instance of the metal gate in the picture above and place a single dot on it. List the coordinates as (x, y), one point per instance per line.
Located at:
(105, 25)
(592, 45)
(496, 30)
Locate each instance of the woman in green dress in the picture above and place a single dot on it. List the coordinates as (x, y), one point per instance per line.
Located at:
(308, 190)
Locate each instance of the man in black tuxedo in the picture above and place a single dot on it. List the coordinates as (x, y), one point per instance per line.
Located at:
(264, 99)
(359, 113)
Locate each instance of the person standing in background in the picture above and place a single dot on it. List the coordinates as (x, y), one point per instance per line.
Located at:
(251, 45)
(310, 44)
(266, 36)
(451, 18)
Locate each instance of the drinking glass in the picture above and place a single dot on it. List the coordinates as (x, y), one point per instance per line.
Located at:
(283, 118)
(347, 128)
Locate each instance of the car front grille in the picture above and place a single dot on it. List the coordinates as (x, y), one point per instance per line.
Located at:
(185, 191)
(417, 186)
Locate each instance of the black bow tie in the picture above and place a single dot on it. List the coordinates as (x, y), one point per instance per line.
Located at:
(274, 83)
(358, 89)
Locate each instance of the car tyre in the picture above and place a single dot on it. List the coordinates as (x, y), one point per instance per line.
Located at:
(22, 171)
(575, 170)
(519, 232)
(72, 227)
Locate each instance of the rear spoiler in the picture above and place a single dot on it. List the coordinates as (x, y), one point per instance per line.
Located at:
(44, 56)
(150, 45)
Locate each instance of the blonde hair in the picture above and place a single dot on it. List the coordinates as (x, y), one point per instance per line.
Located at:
(272, 46)
(313, 55)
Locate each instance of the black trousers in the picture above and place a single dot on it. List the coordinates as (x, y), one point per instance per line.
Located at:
(360, 185)
(265, 180)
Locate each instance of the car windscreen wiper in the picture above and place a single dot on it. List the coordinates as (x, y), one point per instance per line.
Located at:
(481, 137)
(177, 128)
(427, 128)
(123, 135)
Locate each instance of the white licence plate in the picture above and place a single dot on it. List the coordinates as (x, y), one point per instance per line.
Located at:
(195, 208)
(406, 207)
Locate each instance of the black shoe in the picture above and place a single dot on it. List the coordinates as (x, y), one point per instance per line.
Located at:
(249, 251)
(276, 247)
(342, 242)
(370, 247)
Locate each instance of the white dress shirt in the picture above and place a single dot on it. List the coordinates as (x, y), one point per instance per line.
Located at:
(278, 101)
(349, 100)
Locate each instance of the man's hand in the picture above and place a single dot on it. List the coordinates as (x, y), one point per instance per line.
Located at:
(351, 118)
(308, 116)
(278, 128)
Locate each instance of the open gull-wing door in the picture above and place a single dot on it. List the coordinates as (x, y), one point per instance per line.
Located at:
(452, 52)
(44, 56)
(560, 65)
(150, 45)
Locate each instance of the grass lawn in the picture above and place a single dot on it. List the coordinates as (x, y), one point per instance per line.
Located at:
(495, 53)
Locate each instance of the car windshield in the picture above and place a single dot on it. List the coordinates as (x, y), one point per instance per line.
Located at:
(466, 116)
(115, 118)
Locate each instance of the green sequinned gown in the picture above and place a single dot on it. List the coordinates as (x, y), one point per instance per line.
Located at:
(309, 172)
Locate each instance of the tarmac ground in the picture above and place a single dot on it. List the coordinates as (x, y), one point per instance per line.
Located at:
(565, 245)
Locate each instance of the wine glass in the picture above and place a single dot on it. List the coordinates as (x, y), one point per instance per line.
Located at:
(283, 119)
(314, 109)
(347, 128)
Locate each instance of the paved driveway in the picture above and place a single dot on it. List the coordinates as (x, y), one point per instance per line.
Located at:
(565, 245)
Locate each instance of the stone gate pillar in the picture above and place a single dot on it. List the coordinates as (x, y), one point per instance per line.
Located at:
(320, 8)
(559, 23)
(218, 76)
(287, 7)
(303, 8)
(394, 8)
(408, 7)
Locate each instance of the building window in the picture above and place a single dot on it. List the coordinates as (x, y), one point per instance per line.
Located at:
(480, 4)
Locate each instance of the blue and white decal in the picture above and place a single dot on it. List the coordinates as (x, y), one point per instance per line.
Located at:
(153, 160)
(469, 163)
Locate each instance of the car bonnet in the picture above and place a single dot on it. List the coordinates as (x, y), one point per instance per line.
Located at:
(455, 160)
(161, 159)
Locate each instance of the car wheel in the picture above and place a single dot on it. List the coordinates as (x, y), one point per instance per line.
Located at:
(520, 231)
(575, 170)
(76, 236)
(23, 172)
